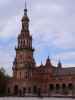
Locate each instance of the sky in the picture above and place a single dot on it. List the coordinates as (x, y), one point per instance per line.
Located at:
(52, 26)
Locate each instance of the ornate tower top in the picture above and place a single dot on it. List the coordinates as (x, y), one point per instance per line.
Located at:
(24, 38)
(25, 20)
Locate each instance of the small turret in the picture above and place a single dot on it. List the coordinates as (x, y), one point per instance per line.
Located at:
(59, 64)
(48, 62)
(41, 64)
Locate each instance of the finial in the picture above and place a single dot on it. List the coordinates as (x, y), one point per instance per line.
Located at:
(25, 5)
(48, 58)
(25, 10)
(59, 62)
(41, 62)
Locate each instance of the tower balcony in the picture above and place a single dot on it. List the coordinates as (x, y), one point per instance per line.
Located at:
(24, 48)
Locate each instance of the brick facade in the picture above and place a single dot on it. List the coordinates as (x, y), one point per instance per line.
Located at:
(30, 80)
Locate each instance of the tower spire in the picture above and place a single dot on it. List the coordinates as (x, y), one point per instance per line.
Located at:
(25, 9)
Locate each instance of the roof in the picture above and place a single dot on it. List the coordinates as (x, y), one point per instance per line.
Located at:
(56, 70)
(66, 71)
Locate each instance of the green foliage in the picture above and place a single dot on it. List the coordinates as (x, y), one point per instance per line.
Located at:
(3, 81)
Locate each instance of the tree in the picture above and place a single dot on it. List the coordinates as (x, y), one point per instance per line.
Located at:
(3, 81)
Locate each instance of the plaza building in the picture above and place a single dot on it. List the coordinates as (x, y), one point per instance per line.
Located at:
(31, 80)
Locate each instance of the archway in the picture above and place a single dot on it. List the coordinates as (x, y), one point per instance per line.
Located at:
(51, 87)
(57, 88)
(16, 90)
(39, 92)
(64, 89)
(70, 86)
(34, 89)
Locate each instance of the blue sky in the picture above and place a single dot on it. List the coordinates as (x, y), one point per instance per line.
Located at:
(52, 25)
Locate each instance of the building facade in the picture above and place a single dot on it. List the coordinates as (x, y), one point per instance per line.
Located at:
(44, 80)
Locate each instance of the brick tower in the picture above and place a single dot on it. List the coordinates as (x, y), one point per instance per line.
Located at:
(24, 52)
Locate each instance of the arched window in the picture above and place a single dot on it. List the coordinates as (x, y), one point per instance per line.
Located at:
(19, 43)
(63, 86)
(57, 86)
(34, 89)
(29, 90)
(24, 90)
(51, 87)
(15, 89)
(70, 86)
(24, 42)
(64, 89)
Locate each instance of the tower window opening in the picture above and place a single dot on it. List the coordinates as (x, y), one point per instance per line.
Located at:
(20, 75)
(26, 76)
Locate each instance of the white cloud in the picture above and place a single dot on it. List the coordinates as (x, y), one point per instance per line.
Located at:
(11, 28)
(64, 40)
(52, 25)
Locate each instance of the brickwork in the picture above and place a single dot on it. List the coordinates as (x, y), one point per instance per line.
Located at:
(30, 80)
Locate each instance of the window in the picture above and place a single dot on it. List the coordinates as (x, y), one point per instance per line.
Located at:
(64, 89)
(8, 90)
(20, 75)
(63, 86)
(24, 90)
(51, 87)
(57, 86)
(29, 90)
(34, 89)
(27, 75)
(19, 43)
(70, 86)
(15, 89)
